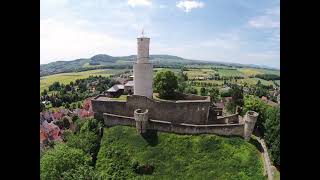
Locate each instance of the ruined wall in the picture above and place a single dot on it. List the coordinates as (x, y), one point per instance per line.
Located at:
(165, 126)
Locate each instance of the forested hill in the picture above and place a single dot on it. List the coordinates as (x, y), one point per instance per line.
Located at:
(101, 61)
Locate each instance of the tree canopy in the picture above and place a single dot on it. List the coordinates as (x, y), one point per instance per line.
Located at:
(63, 159)
(272, 133)
(166, 83)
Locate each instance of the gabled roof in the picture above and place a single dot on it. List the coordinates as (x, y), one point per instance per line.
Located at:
(129, 83)
(115, 88)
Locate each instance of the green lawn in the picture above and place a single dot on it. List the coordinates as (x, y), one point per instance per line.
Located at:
(124, 154)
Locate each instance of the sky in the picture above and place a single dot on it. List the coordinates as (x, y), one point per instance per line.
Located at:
(237, 31)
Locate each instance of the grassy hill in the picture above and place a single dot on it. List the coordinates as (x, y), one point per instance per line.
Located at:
(126, 154)
(103, 61)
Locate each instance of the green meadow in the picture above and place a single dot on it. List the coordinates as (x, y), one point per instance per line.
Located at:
(126, 154)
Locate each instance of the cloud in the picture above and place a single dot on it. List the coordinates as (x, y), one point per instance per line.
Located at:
(134, 3)
(162, 6)
(67, 41)
(188, 5)
(270, 19)
(264, 22)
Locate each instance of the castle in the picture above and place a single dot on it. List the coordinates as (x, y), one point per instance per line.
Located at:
(192, 115)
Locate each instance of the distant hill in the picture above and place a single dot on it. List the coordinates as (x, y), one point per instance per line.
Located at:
(105, 61)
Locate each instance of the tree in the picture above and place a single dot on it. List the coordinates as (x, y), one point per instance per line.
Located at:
(81, 173)
(214, 94)
(272, 133)
(75, 118)
(67, 105)
(42, 107)
(74, 106)
(68, 87)
(203, 91)
(66, 122)
(44, 93)
(87, 141)
(62, 158)
(82, 87)
(191, 90)
(55, 86)
(237, 95)
(253, 103)
(166, 84)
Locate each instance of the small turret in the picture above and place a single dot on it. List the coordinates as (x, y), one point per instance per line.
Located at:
(141, 119)
(250, 120)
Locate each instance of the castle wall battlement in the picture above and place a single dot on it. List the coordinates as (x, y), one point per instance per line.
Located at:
(181, 117)
(165, 126)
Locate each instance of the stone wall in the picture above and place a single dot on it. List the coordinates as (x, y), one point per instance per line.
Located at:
(189, 112)
(165, 126)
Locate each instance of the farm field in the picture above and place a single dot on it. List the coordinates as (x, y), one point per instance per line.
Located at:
(192, 73)
(254, 81)
(66, 78)
(208, 156)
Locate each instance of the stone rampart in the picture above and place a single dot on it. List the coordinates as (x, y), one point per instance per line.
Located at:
(165, 126)
(190, 112)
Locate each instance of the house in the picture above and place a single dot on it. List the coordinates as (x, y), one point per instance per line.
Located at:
(43, 135)
(51, 130)
(92, 86)
(116, 90)
(128, 87)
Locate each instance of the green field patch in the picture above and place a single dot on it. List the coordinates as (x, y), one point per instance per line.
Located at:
(253, 81)
(250, 71)
(193, 73)
(126, 154)
(230, 72)
(212, 81)
(66, 78)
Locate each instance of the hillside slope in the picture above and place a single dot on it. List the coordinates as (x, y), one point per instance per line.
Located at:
(103, 61)
(126, 154)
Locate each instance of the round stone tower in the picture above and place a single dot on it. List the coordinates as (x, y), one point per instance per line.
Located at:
(143, 70)
(141, 119)
(250, 120)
